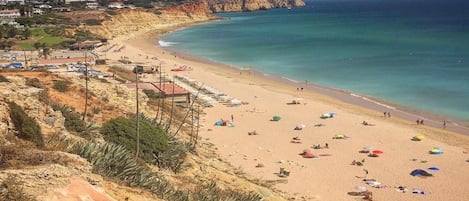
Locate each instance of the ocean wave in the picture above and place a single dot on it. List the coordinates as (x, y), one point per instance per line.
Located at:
(291, 80)
(166, 44)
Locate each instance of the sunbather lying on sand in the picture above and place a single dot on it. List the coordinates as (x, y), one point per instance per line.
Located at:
(367, 124)
(252, 133)
(296, 140)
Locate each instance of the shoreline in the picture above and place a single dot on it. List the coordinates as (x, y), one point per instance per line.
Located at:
(331, 177)
(405, 113)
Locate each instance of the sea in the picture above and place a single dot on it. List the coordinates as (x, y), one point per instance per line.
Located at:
(411, 53)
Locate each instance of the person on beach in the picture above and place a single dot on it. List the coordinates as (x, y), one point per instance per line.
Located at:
(232, 118)
(421, 122)
(418, 122)
(389, 114)
(444, 123)
(385, 114)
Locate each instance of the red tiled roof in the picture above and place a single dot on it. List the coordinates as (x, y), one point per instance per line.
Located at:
(65, 60)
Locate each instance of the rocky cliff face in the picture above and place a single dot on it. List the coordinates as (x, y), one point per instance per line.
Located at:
(129, 23)
(218, 6)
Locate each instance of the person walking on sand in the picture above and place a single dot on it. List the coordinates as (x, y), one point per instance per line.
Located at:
(389, 114)
(366, 173)
(418, 122)
(232, 118)
(421, 122)
(444, 123)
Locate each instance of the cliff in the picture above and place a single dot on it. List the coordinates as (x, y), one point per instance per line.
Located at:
(218, 6)
(129, 23)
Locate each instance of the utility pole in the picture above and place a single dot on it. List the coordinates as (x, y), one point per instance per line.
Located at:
(86, 87)
(138, 113)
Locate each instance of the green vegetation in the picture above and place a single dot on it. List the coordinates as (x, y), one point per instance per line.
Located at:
(27, 127)
(123, 131)
(73, 120)
(61, 86)
(3, 79)
(116, 162)
(51, 36)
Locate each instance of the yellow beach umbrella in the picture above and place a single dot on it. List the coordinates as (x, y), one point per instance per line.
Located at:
(419, 137)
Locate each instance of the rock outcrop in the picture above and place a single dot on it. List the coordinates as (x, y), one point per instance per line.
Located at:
(218, 6)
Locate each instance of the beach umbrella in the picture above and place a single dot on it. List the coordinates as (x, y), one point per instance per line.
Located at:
(436, 151)
(434, 168)
(339, 136)
(377, 151)
(276, 118)
(418, 138)
(367, 148)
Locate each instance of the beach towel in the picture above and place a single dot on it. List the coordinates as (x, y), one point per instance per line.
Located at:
(420, 172)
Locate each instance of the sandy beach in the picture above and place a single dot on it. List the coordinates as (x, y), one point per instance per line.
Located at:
(331, 175)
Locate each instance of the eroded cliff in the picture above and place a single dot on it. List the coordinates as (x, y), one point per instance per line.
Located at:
(129, 23)
(218, 6)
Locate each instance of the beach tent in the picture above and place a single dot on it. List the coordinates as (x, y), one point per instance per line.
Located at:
(308, 153)
(420, 172)
(418, 138)
(276, 118)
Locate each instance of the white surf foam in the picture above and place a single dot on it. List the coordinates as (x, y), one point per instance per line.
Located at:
(166, 44)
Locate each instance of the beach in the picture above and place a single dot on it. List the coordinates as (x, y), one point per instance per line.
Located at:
(276, 144)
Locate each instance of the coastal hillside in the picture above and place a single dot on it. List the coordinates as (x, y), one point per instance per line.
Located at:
(131, 22)
(219, 6)
(46, 155)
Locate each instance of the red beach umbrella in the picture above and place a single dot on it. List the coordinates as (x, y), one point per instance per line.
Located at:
(377, 151)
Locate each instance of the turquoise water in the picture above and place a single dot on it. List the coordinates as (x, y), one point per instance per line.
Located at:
(413, 53)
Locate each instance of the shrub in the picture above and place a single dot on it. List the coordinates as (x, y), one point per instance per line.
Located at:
(27, 127)
(123, 131)
(73, 120)
(34, 82)
(3, 79)
(61, 86)
(93, 22)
